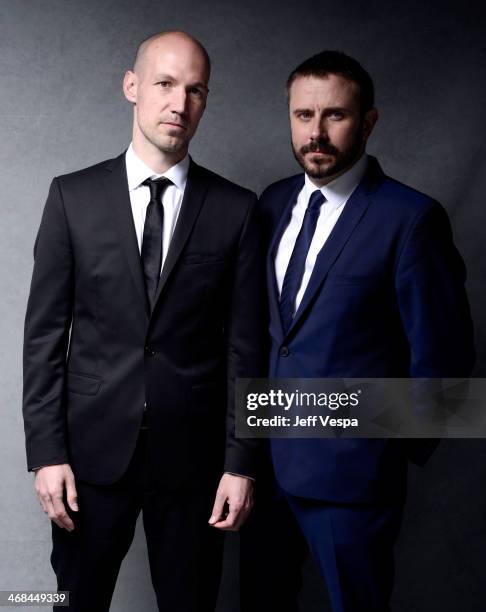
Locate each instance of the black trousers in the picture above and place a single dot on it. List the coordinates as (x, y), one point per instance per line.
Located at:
(272, 553)
(185, 553)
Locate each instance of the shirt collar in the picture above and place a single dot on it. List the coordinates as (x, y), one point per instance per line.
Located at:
(138, 171)
(338, 191)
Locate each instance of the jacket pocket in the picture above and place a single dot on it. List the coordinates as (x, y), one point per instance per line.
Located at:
(202, 258)
(84, 384)
(352, 279)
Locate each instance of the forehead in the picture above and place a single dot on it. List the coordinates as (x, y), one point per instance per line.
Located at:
(332, 90)
(175, 57)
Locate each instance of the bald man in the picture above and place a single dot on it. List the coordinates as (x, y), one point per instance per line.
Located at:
(143, 310)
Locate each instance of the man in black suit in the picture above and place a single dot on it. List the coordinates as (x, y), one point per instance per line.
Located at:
(143, 310)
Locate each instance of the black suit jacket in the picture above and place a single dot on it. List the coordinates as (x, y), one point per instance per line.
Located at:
(94, 354)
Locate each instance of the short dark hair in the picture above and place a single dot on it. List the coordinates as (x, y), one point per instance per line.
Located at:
(337, 62)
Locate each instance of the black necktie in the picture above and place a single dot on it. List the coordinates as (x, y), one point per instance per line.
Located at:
(152, 236)
(296, 267)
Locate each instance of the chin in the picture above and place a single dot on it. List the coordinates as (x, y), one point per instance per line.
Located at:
(171, 146)
(319, 171)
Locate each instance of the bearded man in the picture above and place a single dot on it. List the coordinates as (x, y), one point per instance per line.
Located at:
(364, 281)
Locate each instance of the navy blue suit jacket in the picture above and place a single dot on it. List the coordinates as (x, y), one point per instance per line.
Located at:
(386, 299)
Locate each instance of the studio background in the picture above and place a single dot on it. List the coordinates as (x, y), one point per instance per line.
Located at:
(62, 108)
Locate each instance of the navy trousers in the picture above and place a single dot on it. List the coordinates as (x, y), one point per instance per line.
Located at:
(352, 545)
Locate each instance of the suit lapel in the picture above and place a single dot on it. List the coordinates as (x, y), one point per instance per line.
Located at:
(277, 235)
(192, 201)
(351, 216)
(117, 195)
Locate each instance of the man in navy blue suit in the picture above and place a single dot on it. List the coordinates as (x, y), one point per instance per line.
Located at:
(364, 281)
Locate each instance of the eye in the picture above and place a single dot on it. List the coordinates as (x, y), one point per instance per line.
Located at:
(336, 115)
(164, 84)
(196, 92)
(304, 115)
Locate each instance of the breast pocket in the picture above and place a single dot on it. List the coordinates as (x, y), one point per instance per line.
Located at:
(353, 279)
(202, 259)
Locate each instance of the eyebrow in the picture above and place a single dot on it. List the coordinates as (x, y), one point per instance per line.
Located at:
(301, 110)
(160, 77)
(340, 109)
(327, 109)
(199, 84)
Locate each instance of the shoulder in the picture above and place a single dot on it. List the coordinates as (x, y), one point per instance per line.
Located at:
(219, 185)
(403, 196)
(393, 196)
(282, 188)
(91, 172)
(397, 203)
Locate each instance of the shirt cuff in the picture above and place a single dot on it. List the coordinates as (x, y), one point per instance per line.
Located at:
(241, 476)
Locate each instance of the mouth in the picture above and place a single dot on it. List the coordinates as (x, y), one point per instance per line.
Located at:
(176, 126)
(319, 154)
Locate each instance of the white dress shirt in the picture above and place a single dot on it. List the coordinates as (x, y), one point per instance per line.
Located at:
(137, 173)
(337, 193)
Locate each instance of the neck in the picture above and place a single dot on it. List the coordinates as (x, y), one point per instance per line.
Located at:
(159, 161)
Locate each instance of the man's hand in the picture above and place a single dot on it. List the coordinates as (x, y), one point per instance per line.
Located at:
(235, 492)
(49, 485)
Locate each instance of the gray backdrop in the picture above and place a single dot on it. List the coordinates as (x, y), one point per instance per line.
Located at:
(62, 108)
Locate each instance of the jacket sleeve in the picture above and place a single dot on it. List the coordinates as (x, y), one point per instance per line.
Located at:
(429, 280)
(430, 277)
(46, 337)
(246, 330)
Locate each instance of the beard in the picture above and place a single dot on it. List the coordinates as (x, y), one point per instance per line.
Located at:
(317, 168)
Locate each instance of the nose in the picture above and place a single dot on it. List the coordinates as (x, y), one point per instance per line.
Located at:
(317, 128)
(179, 101)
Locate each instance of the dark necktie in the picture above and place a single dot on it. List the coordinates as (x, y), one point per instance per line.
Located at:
(152, 236)
(296, 267)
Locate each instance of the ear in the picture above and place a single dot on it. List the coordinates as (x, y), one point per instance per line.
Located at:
(370, 119)
(130, 86)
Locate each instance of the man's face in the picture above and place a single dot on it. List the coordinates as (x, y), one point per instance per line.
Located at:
(328, 131)
(169, 90)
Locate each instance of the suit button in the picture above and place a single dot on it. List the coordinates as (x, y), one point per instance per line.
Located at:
(284, 351)
(150, 351)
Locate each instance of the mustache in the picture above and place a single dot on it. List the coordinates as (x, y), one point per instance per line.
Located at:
(319, 145)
